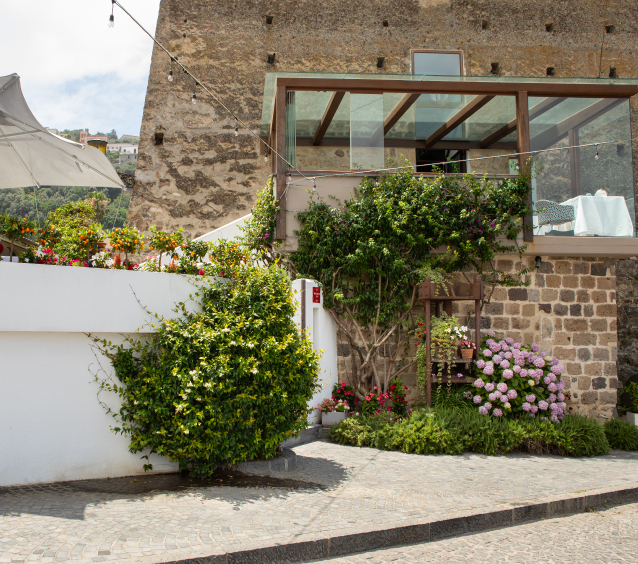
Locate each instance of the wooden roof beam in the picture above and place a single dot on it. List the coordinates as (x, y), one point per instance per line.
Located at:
(326, 120)
(468, 110)
(537, 110)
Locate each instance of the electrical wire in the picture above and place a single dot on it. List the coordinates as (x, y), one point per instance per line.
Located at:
(203, 86)
(508, 155)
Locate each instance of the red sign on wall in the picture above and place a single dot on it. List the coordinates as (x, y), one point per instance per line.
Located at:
(316, 295)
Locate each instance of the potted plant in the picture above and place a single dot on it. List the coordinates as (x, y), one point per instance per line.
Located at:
(332, 411)
(467, 349)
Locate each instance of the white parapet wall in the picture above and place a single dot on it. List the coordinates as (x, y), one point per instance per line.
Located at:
(52, 426)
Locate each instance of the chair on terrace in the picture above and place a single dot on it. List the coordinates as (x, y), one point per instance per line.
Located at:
(550, 213)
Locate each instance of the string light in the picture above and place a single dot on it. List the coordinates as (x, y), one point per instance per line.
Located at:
(194, 98)
(236, 127)
(170, 72)
(266, 157)
(596, 156)
(112, 17)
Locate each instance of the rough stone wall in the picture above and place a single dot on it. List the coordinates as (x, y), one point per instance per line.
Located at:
(202, 176)
(627, 288)
(569, 310)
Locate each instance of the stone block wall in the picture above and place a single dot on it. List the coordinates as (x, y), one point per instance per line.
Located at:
(569, 310)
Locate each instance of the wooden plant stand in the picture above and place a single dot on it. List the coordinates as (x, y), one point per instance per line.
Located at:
(432, 294)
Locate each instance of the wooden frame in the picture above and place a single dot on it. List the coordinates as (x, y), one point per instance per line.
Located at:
(412, 89)
(428, 293)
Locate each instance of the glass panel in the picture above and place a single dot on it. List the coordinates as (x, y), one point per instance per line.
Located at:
(584, 190)
(439, 64)
(291, 130)
(366, 131)
(491, 117)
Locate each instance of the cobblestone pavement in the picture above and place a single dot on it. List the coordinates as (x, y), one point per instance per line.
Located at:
(608, 537)
(359, 490)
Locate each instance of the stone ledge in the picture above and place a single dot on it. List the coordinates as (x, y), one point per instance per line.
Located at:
(287, 461)
(319, 546)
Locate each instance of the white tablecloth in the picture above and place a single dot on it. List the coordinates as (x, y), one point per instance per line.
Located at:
(606, 216)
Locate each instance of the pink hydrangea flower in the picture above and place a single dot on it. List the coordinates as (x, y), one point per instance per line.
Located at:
(534, 408)
(480, 364)
(489, 387)
(508, 355)
(560, 396)
(503, 399)
(517, 345)
(512, 394)
(535, 347)
(488, 370)
(546, 380)
(552, 398)
(497, 394)
(516, 368)
(502, 387)
(492, 396)
(524, 373)
(543, 405)
(531, 398)
(505, 364)
(497, 359)
(526, 406)
(509, 341)
(487, 353)
(488, 405)
(478, 383)
(477, 399)
(507, 374)
(497, 413)
(539, 363)
(554, 361)
(552, 387)
(482, 410)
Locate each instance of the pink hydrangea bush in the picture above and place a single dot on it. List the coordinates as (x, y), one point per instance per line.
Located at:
(516, 380)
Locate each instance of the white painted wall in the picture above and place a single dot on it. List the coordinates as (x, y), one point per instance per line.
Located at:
(229, 231)
(52, 427)
(323, 333)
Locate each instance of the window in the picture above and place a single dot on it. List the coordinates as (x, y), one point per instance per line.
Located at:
(433, 110)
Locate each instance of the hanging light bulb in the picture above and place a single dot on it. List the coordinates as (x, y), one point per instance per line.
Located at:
(266, 157)
(170, 72)
(194, 98)
(288, 178)
(236, 128)
(112, 16)
(596, 156)
(314, 183)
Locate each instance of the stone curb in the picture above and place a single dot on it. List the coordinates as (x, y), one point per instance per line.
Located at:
(337, 546)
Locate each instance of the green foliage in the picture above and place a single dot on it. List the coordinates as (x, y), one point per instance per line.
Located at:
(259, 229)
(446, 430)
(632, 391)
(221, 386)
(622, 435)
(165, 242)
(22, 202)
(370, 252)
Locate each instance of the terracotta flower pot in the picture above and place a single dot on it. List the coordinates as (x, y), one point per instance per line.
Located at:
(467, 353)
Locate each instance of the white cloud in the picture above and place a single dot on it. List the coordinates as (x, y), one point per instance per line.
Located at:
(75, 70)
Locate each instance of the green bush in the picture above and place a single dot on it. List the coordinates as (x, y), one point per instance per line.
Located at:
(224, 385)
(453, 430)
(622, 435)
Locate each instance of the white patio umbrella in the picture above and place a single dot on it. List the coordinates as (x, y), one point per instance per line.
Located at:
(31, 156)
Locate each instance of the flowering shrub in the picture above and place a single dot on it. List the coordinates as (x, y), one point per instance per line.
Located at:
(344, 393)
(467, 344)
(374, 402)
(127, 240)
(396, 393)
(329, 404)
(223, 385)
(518, 380)
(14, 228)
(165, 242)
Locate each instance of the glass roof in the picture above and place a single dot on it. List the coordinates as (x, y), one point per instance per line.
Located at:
(430, 111)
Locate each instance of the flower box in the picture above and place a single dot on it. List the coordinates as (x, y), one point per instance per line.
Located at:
(632, 418)
(330, 418)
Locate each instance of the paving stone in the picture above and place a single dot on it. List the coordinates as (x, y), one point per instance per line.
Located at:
(334, 490)
(607, 537)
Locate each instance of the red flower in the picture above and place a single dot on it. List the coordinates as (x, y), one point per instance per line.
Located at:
(201, 272)
(222, 273)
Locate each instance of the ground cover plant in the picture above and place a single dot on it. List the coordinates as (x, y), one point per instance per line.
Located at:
(222, 385)
(454, 430)
(622, 435)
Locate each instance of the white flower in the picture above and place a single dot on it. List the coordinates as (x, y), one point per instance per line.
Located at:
(254, 370)
(186, 431)
(193, 372)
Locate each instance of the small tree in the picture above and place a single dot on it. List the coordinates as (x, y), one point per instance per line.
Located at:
(370, 253)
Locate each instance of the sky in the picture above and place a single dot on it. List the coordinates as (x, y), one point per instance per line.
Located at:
(75, 71)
